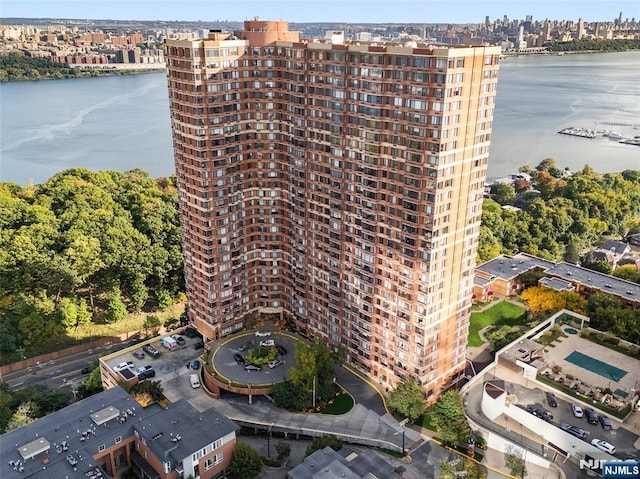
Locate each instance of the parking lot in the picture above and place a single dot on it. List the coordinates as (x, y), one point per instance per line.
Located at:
(228, 367)
(618, 436)
(168, 365)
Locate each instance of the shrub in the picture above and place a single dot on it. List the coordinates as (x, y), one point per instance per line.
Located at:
(283, 449)
(261, 355)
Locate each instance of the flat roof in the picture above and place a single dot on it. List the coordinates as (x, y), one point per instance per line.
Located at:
(509, 267)
(593, 279)
(558, 284)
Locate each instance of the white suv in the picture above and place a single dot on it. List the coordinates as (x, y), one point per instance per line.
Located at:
(263, 333)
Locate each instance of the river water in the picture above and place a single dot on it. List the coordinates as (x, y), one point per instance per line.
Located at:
(122, 122)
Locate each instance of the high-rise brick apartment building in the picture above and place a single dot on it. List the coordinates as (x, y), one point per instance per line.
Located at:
(339, 184)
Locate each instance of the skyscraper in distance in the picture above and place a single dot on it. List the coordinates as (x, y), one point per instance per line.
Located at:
(336, 184)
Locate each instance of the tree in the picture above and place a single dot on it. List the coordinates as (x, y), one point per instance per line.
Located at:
(151, 325)
(515, 462)
(408, 399)
(45, 399)
(283, 449)
(503, 193)
(290, 396)
(628, 272)
(530, 278)
(92, 384)
(67, 313)
(245, 462)
(500, 336)
(315, 362)
(323, 441)
(116, 309)
(450, 419)
(590, 261)
(572, 252)
(543, 300)
(163, 297)
(459, 466)
(22, 416)
(148, 392)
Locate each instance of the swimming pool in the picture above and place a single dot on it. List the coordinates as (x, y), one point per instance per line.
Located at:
(594, 365)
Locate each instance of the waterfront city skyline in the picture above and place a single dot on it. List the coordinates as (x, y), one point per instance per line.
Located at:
(353, 11)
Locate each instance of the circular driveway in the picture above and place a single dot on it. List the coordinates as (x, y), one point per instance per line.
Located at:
(226, 366)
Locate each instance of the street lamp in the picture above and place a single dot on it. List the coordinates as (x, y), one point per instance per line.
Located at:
(402, 424)
(268, 443)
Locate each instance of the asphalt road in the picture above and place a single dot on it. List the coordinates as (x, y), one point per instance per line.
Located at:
(64, 372)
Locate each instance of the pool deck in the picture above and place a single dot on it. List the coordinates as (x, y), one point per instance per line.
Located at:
(565, 346)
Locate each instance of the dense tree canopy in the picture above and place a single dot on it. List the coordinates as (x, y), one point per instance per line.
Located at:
(84, 246)
(245, 462)
(17, 66)
(596, 45)
(408, 399)
(561, 215)
(450, 419)
(21, 406)
(315, 364)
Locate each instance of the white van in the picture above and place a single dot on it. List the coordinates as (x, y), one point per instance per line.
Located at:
(604, 446)
(169, 343)
(195, 382)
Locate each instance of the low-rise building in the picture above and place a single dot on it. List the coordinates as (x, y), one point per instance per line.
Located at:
(105, 434)
(327, 463)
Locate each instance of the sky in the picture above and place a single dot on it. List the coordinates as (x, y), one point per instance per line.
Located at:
(340, 11)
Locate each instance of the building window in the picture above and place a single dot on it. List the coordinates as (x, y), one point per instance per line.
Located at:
(118, 439)
(212, 461)
(101, 448)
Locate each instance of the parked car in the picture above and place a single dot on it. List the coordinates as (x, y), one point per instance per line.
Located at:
(195, 382)
(145, 372)
(198, 345)
(261, 334)
(281, 350)
(238, 358)
(151, 350)
(592, 418)
(605, 422)
(252, 367)
(122, 366)
(138, 354)
(85, 370)
(275, 363)
(541, 413)
(552, 400)
(604, 445)
(179, 339)
(574, 430)
(577, 411)
(191, 333)
(195, 364)
(267, 343)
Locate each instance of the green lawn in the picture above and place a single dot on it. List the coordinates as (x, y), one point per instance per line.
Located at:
(341, 405)
(503, 313)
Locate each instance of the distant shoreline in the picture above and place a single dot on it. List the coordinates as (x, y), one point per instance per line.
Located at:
(558, 54)
(95, 73)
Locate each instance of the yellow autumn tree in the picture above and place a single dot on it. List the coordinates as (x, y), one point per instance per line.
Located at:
(542, 300)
